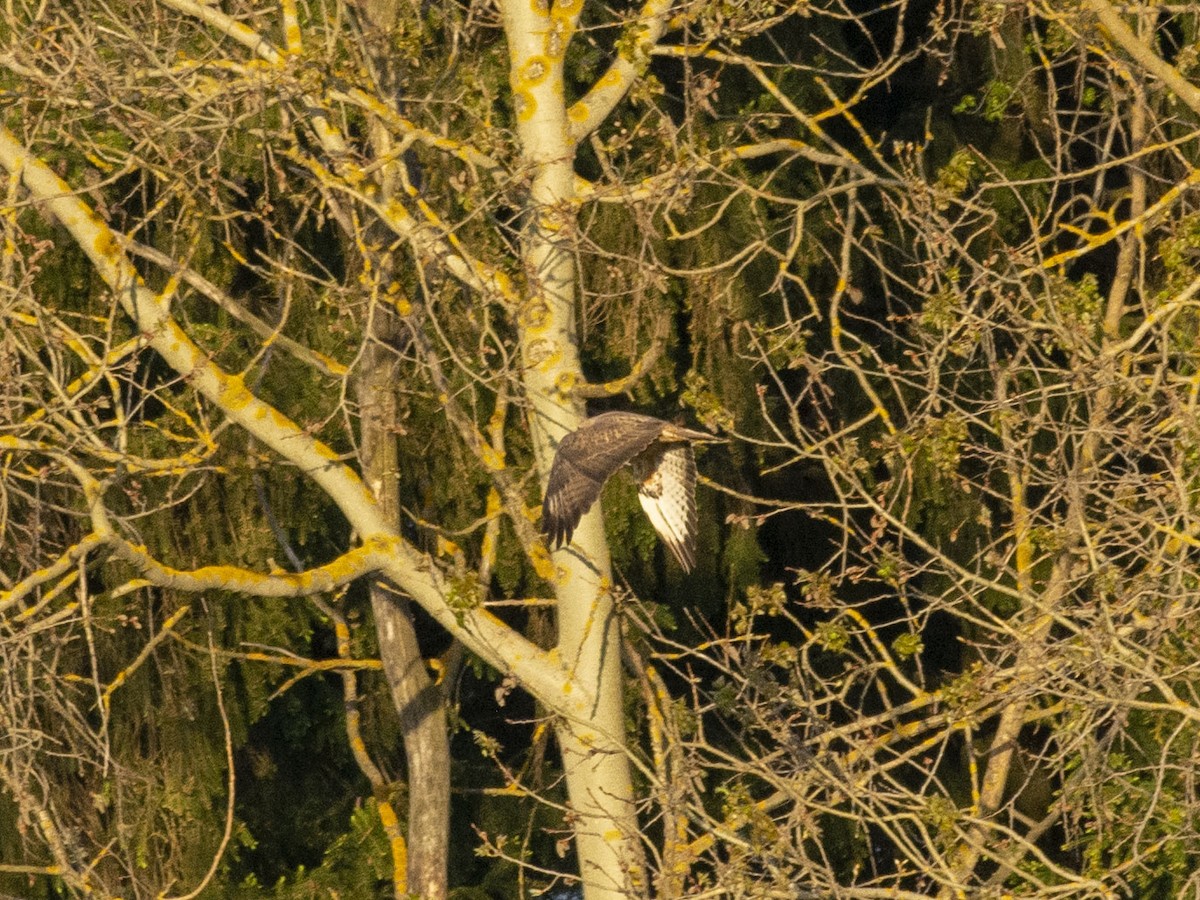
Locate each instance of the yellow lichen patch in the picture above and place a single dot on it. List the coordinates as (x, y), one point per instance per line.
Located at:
(300, 581)
(23, 318)
(492, 618)
(488, 455)
(567, 7)
(438, 667)
(525, 105)
(357, 744)
(536, 314)
(542, 563)
(543, 355)
(391, 825)
(236, 256)
(105, 246)
(387, 816)
(502, 284)
(395, 211)
(382, 543)
(279, 420)
(353, 174)
(345, 567)
(233, 395)
(534, 71)
(610, 79)
(332, 365)
(550, 222)
(565, 382)
(579, 112)
(550, 361)
(446, 547)
(177, 342)
(509, 790)
(325, 451)
(292, 36)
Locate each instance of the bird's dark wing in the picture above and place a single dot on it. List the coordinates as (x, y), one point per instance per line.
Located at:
(585, 459)
(667, 491)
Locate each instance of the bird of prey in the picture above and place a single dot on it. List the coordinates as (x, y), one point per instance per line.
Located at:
(660, 455)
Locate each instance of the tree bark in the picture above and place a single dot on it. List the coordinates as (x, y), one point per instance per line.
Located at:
(595, 762)
(418, 700)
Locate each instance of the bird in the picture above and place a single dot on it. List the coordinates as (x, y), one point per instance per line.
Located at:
(660, 455)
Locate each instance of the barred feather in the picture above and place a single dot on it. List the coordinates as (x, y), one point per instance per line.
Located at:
(661, 456)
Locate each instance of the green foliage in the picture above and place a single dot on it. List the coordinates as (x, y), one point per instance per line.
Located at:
(465, 593)
(632, 539)
(929, 459)
(760, 601)
(356, 864)
(1077, 307)
(942, 815)
(833, 636)
(741, 556)
(908, 645)
(944, 309)
(817, 588)
(1129, 802)
(994, 103)
(965, 690)
(957, 176)
(1180, 250)
(787, 348)
(707, 405)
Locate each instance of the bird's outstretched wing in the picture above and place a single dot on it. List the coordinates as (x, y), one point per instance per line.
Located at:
(667, 491)
(584, 461)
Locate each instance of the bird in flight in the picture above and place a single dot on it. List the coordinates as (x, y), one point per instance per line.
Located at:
(660, 455)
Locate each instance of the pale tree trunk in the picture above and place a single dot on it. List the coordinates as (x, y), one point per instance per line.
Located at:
(595, 763)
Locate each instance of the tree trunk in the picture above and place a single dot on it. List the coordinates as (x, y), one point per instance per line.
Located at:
(418, 700)
(595, 763)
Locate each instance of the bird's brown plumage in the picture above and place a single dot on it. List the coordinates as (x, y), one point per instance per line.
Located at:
(660, 455)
